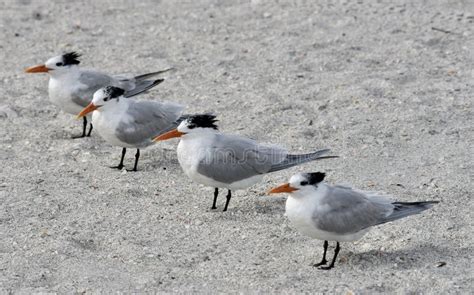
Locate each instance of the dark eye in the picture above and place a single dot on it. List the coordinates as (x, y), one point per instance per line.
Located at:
(106, 98)
(304, 183)
(191, 126)
(59, 64)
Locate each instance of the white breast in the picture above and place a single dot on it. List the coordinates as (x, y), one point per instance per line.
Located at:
(300, 213)
(60, 91)
(106, 123)
(191, 150)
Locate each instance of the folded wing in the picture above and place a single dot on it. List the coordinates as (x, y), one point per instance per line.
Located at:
(346, 211)
(232, 158)
(147, 119)
(89, 83)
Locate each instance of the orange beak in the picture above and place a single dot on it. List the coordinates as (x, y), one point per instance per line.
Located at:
(37, 69)
(284, 188)
(90, 108)
(170, 134)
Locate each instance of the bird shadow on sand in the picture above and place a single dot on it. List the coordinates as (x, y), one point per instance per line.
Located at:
(419, 256)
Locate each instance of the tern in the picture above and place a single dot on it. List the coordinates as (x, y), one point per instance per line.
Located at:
(128, 123)
(339, 213)
(228, 161)
(71, 88)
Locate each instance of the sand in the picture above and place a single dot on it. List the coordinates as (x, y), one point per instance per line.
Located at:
(387, 86)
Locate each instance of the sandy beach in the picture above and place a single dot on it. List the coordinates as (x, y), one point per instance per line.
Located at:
(386, 85)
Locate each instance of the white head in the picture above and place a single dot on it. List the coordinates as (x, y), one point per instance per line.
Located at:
(107, 95)
(57, 65)
(194, 124)
(198, 123)
(300, 184)
(103, 98)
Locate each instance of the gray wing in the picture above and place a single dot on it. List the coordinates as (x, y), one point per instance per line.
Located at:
(124, 81)
(142, 86)
(138, 84)
(232, 158)
(293, 160)
(345, 211)
(90, 82)
(145, 120)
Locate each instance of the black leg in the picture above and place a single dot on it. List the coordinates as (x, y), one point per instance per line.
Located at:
(137, 156)
(323, 261)
(84, 128)
(336, 251)
(216, 193)
(229, 195)
(120, 166)
(90, 130)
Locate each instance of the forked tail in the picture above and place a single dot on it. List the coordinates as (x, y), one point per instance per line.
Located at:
(404, 209)
(142, 86)
(293, 160)
(149, 75)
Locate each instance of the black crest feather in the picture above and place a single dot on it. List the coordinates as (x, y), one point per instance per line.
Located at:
(113, 92)
(203, 121)
(71, 58)
(315, 177)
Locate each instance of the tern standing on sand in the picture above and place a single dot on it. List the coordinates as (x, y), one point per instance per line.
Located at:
(228, 161)
(128, 123)
(71, 88)
(338, 213)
